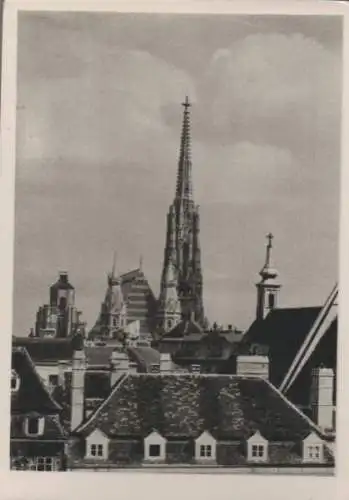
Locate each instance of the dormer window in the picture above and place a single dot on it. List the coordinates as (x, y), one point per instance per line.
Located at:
(154, 447)
(313, 449)
(15, 381)
(34, 426)
(257, 448)
(205, 447)
(97, 445)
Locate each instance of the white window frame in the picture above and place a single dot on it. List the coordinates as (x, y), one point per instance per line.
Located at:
(205, 448)
(257, 448)
(41, 425)
(97, 445)
(49, 464)
(313, 449)
(154, 439)
(15, 376)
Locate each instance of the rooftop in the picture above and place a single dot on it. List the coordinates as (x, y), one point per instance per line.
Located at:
(184, 405)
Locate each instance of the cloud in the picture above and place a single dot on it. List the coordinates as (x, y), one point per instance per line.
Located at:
(283, 89)
(112, 110)
(242, 173)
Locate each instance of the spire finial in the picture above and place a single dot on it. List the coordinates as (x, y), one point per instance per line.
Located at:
(186, 104)
(114, 264)
(270, 238)
(141, 262)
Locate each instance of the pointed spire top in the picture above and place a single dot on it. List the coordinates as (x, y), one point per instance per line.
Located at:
(113, 277)
(268, 271)
(184, 177)
(141, 262)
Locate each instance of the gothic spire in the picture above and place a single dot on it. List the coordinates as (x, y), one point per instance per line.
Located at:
(184, 177)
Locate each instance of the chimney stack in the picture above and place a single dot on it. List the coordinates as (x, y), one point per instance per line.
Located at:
(322, 398)
(119, 364)
(165, 362)
(77, 388)
(253, 366)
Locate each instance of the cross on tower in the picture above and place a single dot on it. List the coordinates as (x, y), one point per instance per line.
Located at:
(270, 237)
(186, 104)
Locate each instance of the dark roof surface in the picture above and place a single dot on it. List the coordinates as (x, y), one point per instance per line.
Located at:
(32, 395)
(185, 405)
(183, 328)
(283, 332)
(98, 355)
(46, 349)
(52, 428)
(144, 356)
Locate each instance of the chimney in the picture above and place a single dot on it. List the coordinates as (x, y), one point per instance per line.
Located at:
(62, 368)
(77, 388)
(195, 368)
(322, 398)
(119, 364)
(253, 366)
(165, 362)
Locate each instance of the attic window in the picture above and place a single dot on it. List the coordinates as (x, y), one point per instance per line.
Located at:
(313, 449)
(313, 453)
(154, 450)
(15, 380)
(34, 426)
(205, 451)
(257, 448)
(154, 447)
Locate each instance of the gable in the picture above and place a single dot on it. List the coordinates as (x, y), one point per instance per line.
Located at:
(155, 437)
(312, 438)
(97, 436)
(32, 395)
(205, 438)
(257, 438)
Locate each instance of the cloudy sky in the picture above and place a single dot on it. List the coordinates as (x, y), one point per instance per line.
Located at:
(98, 129)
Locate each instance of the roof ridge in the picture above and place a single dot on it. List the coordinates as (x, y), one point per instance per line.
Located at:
(41, 382)
(118, 384)
(312, 424)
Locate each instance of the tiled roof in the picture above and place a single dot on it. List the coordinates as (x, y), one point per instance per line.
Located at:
(184, 405)
(46, 349)
(32, 395)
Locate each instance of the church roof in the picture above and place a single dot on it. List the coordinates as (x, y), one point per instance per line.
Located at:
(32, 395)
(282, 332)
(184, 328)
(185, 405)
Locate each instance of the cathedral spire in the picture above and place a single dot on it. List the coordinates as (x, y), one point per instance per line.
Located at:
(184, 188)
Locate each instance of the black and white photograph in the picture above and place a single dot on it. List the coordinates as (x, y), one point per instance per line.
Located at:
(176, 243)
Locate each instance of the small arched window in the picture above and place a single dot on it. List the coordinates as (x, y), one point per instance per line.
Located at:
(271, 301)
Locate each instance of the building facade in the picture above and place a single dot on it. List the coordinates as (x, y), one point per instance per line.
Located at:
(60, 318)
(37, 438)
